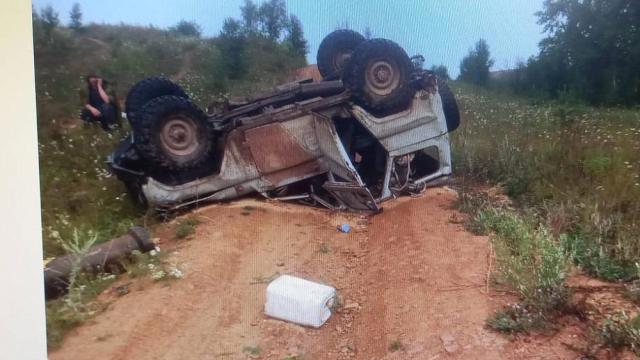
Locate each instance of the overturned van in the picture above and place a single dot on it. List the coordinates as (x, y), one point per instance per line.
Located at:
(374, 128)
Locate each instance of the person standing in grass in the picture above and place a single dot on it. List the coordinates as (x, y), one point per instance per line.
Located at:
(100, 106)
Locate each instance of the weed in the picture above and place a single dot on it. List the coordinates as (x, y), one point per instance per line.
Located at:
(395, 345)
(632, 291)
(77, 305)
(252, 350)
(532, 263)
(517, 318)
(186, 227)
(152, 264)
(264, 279)
(619, 330)
(324, 248)
(294, 357)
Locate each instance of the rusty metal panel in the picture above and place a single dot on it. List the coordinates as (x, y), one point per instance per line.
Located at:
(279, 156)
(274, 149)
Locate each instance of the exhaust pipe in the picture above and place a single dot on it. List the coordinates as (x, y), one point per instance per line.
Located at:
(99, 258)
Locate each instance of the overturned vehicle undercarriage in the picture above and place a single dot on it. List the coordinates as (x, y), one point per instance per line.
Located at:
(376, 127)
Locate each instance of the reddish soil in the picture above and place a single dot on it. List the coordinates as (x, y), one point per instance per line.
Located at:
(412, 282)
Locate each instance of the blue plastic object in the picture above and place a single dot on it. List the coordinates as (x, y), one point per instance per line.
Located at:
(345, 228)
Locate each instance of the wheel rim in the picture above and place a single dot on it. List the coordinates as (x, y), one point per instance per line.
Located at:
(341, 59)
(179, 136)
(382, 77)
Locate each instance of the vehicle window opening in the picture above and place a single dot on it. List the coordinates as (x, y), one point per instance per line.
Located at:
(365, 152)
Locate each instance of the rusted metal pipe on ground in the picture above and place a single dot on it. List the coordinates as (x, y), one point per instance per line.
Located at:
(98, 258)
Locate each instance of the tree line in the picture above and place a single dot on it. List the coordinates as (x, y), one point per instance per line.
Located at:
(591, 53)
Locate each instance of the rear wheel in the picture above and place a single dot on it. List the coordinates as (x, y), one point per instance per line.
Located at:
(173, 135)
(335, 51)
(147, 90)
(378, 76)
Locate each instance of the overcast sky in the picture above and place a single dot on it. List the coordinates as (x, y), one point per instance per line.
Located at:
(441, 30)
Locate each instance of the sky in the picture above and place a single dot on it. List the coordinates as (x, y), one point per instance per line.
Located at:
(442, 31)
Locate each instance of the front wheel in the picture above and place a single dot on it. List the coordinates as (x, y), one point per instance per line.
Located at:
(378, 76)
(174, 135)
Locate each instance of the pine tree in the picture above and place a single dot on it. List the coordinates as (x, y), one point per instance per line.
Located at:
(76, 17)
(273, 18)
(295, 37)
(250, 16)
(475, 66)
(49, 20)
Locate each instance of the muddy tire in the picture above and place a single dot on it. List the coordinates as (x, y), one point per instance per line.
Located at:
(173, 135)
(378, 77)
(335, 50)
(147, 90)
(449, 106)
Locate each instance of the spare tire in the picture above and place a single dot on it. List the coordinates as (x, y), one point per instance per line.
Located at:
(147, 90)
(335, 51)
(449, 106)
(173, 135)
(378, 76)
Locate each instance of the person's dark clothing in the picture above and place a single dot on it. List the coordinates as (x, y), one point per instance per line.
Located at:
(109, 116)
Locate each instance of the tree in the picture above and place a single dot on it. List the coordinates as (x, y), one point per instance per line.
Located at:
(592, 50)
(295, 37)
(232, 43)
(250, 16)
(474, 67)
(49, 20)
(187, 28)
(273, 18)
(441, 71)
(75, 16)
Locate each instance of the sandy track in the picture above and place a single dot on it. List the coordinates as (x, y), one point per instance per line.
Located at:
(412, 284)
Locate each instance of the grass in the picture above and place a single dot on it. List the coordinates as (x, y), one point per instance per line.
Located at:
(185, 227)
(252, 350)
(619, 330)
(395, 345)
(577, 168)
(533, 264)
(572, 173)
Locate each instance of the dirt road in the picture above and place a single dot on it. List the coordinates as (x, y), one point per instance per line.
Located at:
(413, 285)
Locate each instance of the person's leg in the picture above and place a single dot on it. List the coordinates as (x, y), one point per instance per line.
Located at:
(108, 118)
(85, 115)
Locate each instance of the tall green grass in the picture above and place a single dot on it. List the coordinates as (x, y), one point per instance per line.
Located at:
(576, 167)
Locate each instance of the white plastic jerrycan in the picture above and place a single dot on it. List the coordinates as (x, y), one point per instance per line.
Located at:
(300, 301)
